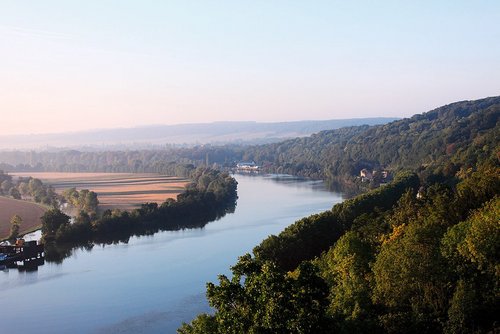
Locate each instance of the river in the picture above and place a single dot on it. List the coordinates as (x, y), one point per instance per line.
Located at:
(153, 283)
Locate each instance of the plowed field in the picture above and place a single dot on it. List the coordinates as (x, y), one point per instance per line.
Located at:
(28, 211)
(117, 190)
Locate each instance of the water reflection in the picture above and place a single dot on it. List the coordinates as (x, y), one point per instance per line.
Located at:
(57, 252)
(27, 266)
(155, 281)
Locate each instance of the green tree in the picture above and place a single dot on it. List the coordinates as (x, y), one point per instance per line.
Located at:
(463, 311)
(71, 196)
(15, 226)
(260, 298)
(52, 220)
(481, 245)
(477, 187)
(35, 186)
(23, 188)
(83, 199)
(472, 249)
(411, 278)
(346, 268)
(202, 324)
(82, 218)
(5, 186)
(14, 193)
(90, 202)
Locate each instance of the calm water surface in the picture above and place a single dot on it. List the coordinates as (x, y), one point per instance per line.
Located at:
(154, 283)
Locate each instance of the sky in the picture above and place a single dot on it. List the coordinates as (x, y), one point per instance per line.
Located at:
(76, 65)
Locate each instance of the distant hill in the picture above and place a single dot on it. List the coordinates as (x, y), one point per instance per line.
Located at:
(201, 133)
(457, 134)
(449, 137)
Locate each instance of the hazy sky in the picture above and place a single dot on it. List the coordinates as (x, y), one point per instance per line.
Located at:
(73, 65)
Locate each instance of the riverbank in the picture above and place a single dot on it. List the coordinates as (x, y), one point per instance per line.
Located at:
(153, 283)
(209, 196)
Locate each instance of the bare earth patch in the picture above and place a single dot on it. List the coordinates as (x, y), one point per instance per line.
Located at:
(28, 211)
(124, 191)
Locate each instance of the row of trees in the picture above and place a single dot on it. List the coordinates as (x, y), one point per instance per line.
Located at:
(27, 188)
(210, 195)
(436, 143)
(35, 190)
(170, 161)
(427, 264)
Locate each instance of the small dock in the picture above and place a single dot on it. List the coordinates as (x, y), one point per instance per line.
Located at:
(30, 253)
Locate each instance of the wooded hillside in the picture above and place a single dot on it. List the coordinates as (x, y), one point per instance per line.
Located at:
(455, 135)
(419, 255)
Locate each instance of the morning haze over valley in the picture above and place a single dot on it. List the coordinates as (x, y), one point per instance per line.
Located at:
(249, 167)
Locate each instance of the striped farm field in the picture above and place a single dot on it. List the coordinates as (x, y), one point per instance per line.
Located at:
(30, 213)
(124, 191)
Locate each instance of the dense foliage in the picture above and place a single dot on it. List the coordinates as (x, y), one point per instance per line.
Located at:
(84, 199)
(27, 188)
(169, 161)
(423, 264)
(312, 235)
(210, 195)
(442, 140)
(265, 299)
(419, 255)
(437, 143)
(15, 226)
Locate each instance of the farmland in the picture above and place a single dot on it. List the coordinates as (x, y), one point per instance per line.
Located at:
(123, 191)
(28, 211)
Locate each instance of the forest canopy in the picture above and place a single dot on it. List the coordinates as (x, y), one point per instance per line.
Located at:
(418, 255)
